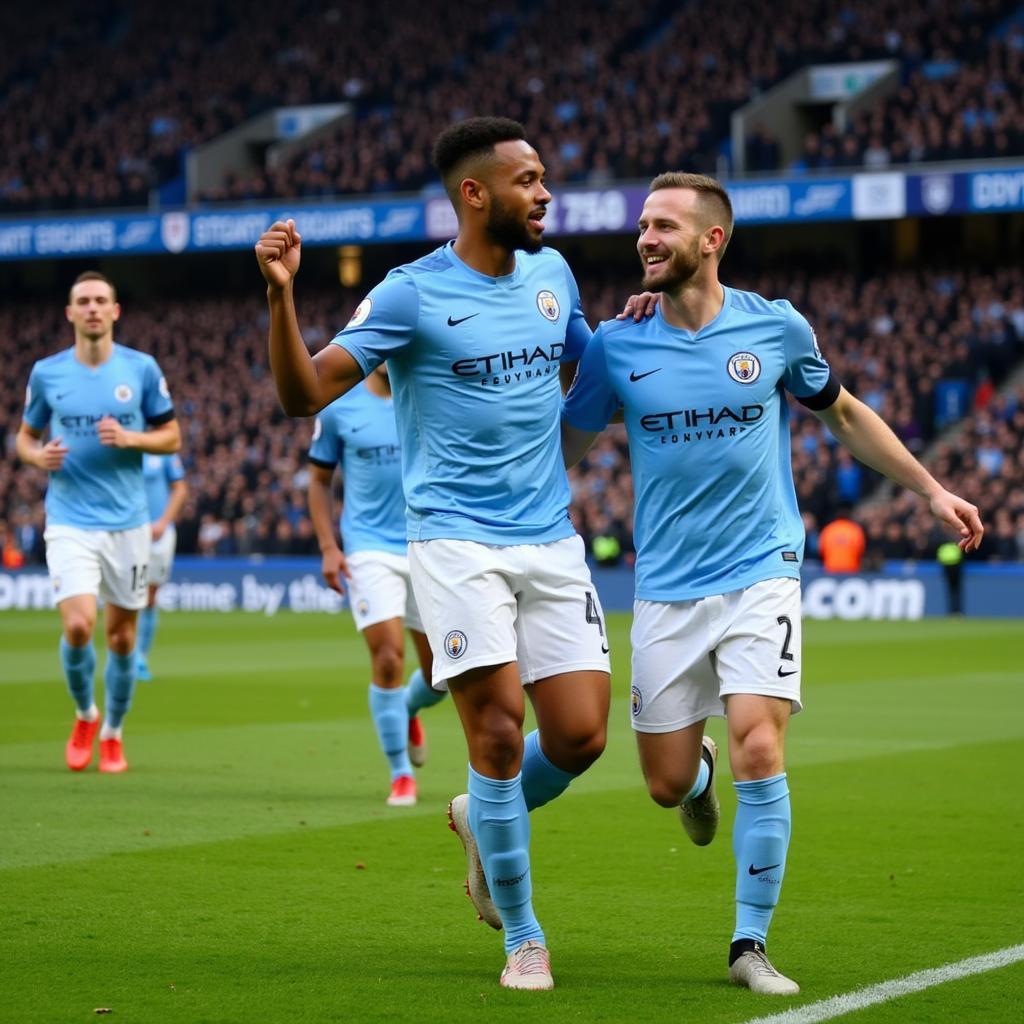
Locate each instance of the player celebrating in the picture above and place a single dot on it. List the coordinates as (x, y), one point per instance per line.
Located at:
(474, 335)
(97, 398)
(719, 538)
(166, 491)
(358, 430)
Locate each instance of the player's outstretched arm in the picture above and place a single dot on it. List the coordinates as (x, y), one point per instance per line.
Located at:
(30, 449)
(304, 384)
(575, 444)
(333, 564)
(860, 429)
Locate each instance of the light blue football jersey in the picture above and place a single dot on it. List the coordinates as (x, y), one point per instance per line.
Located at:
(474, 362)
(358, 431)
(708, 429)
(98, 488)
(159, 472)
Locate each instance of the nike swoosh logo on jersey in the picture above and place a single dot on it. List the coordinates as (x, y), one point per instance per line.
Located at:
(634, 376)
(461, 320)
(760, 871)
(604, 648)
(59, 398)
(782, 675)
(355, 430)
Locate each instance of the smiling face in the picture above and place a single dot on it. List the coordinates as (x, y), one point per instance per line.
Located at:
(517, 197)
(675, 238)
(92, 310)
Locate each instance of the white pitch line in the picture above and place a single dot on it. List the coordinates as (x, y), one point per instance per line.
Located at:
(827, 1009)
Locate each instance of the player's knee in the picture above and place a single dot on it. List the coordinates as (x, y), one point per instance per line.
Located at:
(122, 640)
(666, 792)
(78, 630)
(497, 741)
(576, 751)
(759, 752)
(388, 665)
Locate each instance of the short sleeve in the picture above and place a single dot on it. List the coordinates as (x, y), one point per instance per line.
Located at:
(591, 401)
(157, 406)
(807, 376)
(175, 469)
(383, 323)
(323, 448)
(577, 330)
(37, 409)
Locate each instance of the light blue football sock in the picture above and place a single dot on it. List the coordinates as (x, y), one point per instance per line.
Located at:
(701, 783)
(147, 630)
(542, 781)
(501, 825)
(119, 684)
(391, 721)
(79, 668)
(760, 840)
(420, 694)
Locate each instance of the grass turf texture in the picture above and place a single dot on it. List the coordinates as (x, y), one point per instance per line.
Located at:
(246, 868)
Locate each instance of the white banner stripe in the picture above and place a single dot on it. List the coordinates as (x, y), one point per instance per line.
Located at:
(828, 1009)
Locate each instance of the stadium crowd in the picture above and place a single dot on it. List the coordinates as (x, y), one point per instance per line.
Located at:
(605, 90)
(951, 109)
(923, 349)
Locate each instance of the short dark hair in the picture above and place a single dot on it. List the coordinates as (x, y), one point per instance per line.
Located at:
(710, 192)
(93, 275)
(468, 140)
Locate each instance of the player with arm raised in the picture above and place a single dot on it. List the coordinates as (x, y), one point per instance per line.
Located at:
(358, 431)
(166, 493)
(97, 399)
(719, 538)
(475, 335)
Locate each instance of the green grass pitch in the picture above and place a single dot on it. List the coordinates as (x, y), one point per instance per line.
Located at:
(247, 870)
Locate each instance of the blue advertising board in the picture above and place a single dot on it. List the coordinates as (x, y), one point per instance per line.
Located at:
(904, 590)
(574, 211)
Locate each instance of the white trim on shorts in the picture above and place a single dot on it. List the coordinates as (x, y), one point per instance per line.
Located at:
(379, 589)
(484, 604)
(688, 655)
(109, 564)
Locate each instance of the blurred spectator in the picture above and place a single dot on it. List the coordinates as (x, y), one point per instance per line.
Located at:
(842, 543)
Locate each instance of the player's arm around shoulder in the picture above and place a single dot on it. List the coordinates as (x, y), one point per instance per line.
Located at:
(869, 438)
(590, 404)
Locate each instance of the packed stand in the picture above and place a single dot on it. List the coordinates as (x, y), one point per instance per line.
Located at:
(957, 108)
(100, 106)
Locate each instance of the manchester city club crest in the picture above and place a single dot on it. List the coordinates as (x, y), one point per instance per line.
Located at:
(548, 305)
(636, 701)
(455, 644)
(361, 313)
(744, 367)
(363, 608)
(123, 393)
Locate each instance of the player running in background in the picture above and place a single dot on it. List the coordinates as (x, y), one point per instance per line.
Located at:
(358, 430)
(719, 537)
(166, 492)
(97, 399)
(474, 335)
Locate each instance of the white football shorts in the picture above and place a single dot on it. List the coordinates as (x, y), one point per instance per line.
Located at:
(688, 655)
(486, 604)
(110, 564)
(161, 556)
(379, 589)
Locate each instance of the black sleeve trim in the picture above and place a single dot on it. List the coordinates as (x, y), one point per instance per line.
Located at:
(159, 421)
(321, 463)
(825, 397)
